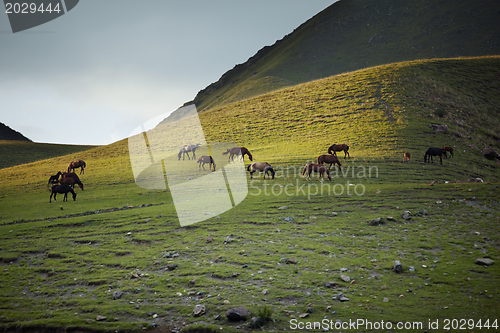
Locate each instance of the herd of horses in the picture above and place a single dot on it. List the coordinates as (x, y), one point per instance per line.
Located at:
(64, 182)
(67, 181)
(320, 167)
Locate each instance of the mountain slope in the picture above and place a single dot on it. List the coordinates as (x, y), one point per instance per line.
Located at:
(351, 35)
(7, 133)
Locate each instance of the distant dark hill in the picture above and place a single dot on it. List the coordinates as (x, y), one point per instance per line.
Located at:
(355, 34)
(7, 133)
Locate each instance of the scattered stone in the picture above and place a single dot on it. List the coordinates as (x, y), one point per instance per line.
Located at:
(439, 128)
(100, 318)
(292, 261)
(331, 284)
(283, 207)
(256, 322)
(390, 218)
(377, 221)
(490, 154)
(264, 292)
(342, 270)
(484, 261)
(210, 239)
(304, 315)
(411, 269)
(334, 214)
(385, 299)
(406, 215)
(289, 219)
(384, 287)
(342, 298)
(309, 310)
(345, 278)
(199, 310)
(237, 314)
(171, 267)
(226, 301)
(134, 275)
(398, 268)
(117, 294)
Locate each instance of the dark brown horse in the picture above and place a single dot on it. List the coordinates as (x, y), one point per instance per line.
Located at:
(331, 159)
(238, 151)
(342, 147)
(185, 150)
(77, 164)
(449, 150)
(61, 189)
(70, 179)
(406, 157)
(54, 179)
(262, 167)
(320, 168)
(206, 160)
(434, 152)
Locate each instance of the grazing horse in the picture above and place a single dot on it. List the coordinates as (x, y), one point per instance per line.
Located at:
(54, 179)
(65, 188)
(77, 164)
(317, 168)
(434, 152)
(448, 149)
(186, 149)
(262, 167)
(206, 160)
(331, 159)
(406, 157)
(237, 151)
(342, 147)
(70, 179)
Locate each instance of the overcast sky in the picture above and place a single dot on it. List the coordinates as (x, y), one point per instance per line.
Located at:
(94, 74)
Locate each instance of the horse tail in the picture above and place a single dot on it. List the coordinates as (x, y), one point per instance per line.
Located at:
(226, 152)
(304, 171)
(425, 157)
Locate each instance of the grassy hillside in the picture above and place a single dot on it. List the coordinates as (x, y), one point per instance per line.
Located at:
(351, 35)
(21, 152)
(284, 249)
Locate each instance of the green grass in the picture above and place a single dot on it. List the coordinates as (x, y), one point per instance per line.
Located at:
(61, 262)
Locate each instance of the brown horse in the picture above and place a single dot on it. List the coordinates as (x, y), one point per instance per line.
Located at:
(262, 167)
(342, 147)
(406, 157)
(320, 168)
(70, 179)
(448, 149)
(238, 151)
(206, 160)
(54, 179)
(77, 164)
(185, 150)
(61, 189)
(331, 159)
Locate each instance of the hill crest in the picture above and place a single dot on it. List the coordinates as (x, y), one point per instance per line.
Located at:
(351, 35)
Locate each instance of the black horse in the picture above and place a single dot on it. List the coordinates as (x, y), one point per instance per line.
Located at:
(54, 179)
(65, 188)
(434, 152)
